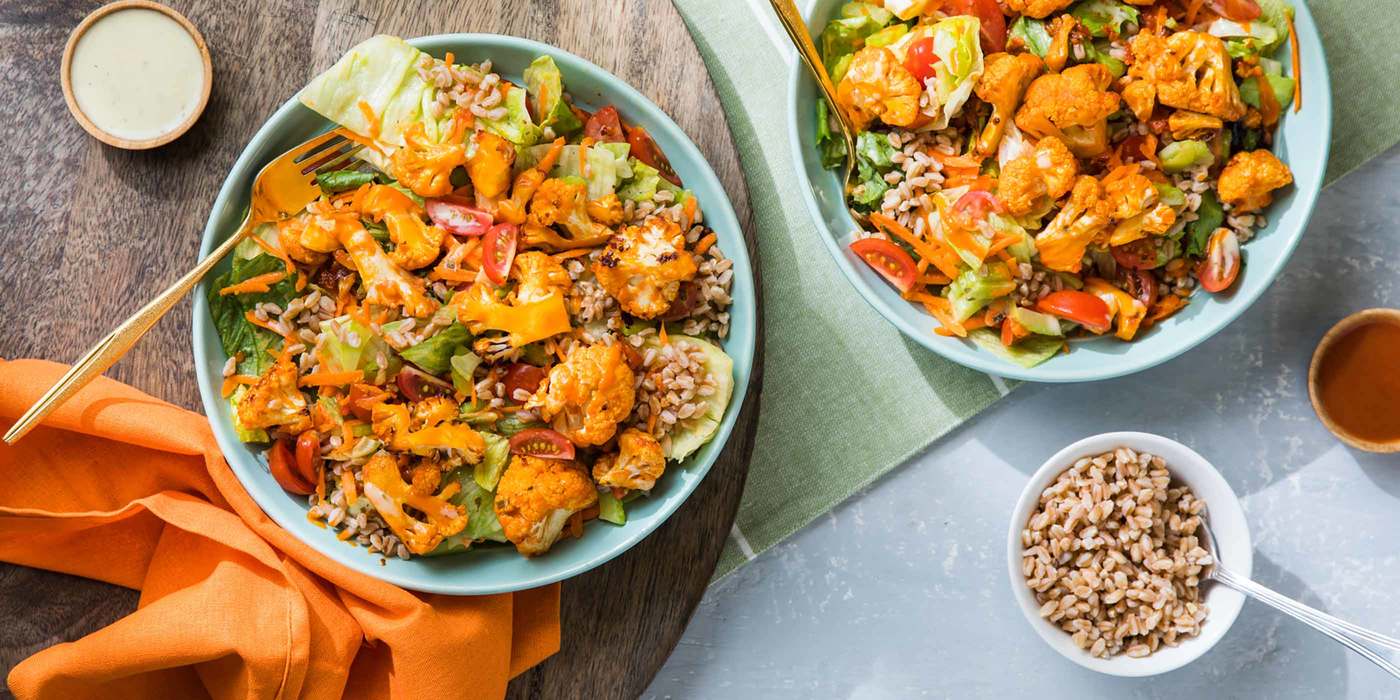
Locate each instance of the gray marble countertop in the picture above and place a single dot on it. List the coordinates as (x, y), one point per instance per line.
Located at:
(902, 591)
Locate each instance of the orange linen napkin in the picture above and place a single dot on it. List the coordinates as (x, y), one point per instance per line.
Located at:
(124, 488)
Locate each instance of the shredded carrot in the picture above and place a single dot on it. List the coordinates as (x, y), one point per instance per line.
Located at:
(955, 161)
(1005, 257)
(1192, 8)
(371, 120)
(277, 252)
(255, 284)
(266, 325)
(651, 423)
(576, 525)
(347, 486)
(1297, 66)
(583, 147)
(941, 310)
(1149, 149)
(321, 480)
(233, 382)
(442, 273)
(974, 323)
(688, 209)
(331, 378)
(1001, 243)
(367, 143)
(704, 243)
(665, 339)
(473, 395)
(449, 58)
(343, 535)
(933, 279)
(943, 331)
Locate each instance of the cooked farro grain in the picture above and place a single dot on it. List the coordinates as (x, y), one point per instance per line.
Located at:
(1112, 556)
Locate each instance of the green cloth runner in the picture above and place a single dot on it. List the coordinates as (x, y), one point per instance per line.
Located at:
(845, 397)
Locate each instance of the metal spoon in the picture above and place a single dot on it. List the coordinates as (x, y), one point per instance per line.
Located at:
(1349, 635)
(791, 20)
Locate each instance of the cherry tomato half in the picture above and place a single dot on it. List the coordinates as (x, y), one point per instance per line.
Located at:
(280, 463)
(417, 384)
(1222, 262)
(1138, 255)
(498, 251)
(989, 16)
(643, 148)
(1142, 285)
(1237, 10)
(973, 208)
(604, 126)
(541, 442)
(457, 218)
(920, 59)
(1081, 307)
(362, 399)
(308, 455)
(522, 375)
(888, 259)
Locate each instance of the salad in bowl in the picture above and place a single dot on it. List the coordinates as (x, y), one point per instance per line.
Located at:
(1035, 172)
(500, 328)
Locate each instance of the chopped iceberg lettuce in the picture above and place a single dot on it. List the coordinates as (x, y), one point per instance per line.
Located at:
(380, 73)
(1100, 17)
(245, 434)
(842, 37)
(434, 355)
(348, 344)
(493, 462)
(1030, 352)
(610, 509)
(515, 125)
(1036, 322)
(1033, 35)
(688, 435)
(546, 87)
(608, 165)
(973, 290)
(463, 364)
(959, 51)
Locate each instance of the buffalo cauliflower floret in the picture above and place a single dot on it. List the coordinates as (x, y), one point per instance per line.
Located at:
(1039, 9)
(536, 497)
(1047, 173)
(606, 210)
(1135, 205)
(1002, 85)
(425, 430)
(877, 86)
(426, 167)
(386, 490)
(275, 400)
(643, 267)
(416, 244)
(1187, 70)
(1063, 242)
(588, 394)
(386, 284)
(1072, 106)
(489, 165)
(308, 236)
(538, 275)
(565, 205)
(637, 465)
(1184, 124)
(1248, 181)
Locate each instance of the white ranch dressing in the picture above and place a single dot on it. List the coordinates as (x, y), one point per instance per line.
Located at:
(137, 74)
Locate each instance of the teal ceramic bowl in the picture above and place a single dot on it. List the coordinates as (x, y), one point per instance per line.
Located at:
(1303, 143)
(487, 569)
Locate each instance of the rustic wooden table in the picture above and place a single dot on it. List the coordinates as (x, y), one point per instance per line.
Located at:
(89, 232)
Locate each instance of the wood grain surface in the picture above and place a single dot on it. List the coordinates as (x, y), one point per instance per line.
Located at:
(89, 232)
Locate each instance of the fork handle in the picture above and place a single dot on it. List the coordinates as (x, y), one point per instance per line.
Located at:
(116, 343)
(1351, 636)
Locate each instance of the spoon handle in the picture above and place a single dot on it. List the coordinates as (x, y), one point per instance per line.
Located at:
(1349, 635)
(791, 19)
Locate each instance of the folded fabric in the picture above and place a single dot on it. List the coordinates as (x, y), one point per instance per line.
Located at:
(121, 487)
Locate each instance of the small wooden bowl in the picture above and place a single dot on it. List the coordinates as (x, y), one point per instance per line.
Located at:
(67, 77)
(1343, 327)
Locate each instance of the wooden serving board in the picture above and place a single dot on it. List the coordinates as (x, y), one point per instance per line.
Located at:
(90, 232)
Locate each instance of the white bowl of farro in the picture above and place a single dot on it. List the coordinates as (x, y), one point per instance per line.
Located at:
(1104, 558)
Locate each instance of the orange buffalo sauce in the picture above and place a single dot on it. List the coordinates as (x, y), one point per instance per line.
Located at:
(1358, 381)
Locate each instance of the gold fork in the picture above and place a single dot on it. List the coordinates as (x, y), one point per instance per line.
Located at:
(282, 188)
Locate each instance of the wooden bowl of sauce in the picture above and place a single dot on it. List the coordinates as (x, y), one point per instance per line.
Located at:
(136, 74)
(1354, 380)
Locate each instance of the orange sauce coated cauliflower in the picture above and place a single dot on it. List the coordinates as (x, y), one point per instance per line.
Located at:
(1248, 181)
(588, 394)
(1063, 242)
(426, 167)
(1187, 70)
(1027, 182)
(387, 491)
(426, 428)
(535, 499)
(489, 165)
(538, 275)
(643, 267)
(563, 204)
(386, 284)
(1039, 9)
(639, 462)
(876, 86)
(275, 400)
(1002, 85)
(1073, 106)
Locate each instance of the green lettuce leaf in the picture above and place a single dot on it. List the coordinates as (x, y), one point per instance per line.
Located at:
(343, 180)
(1029, 352)
(842, 38)
(1210, 216)
(831, 145)
(1100, 16)
(874, 158)
(546, 87)
(1033, 35)
(515, 126)
(958, 47)
(493, 462)
(434, 354)
(228, 312)
(348, 344)
(608, 165)
(973, 290)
